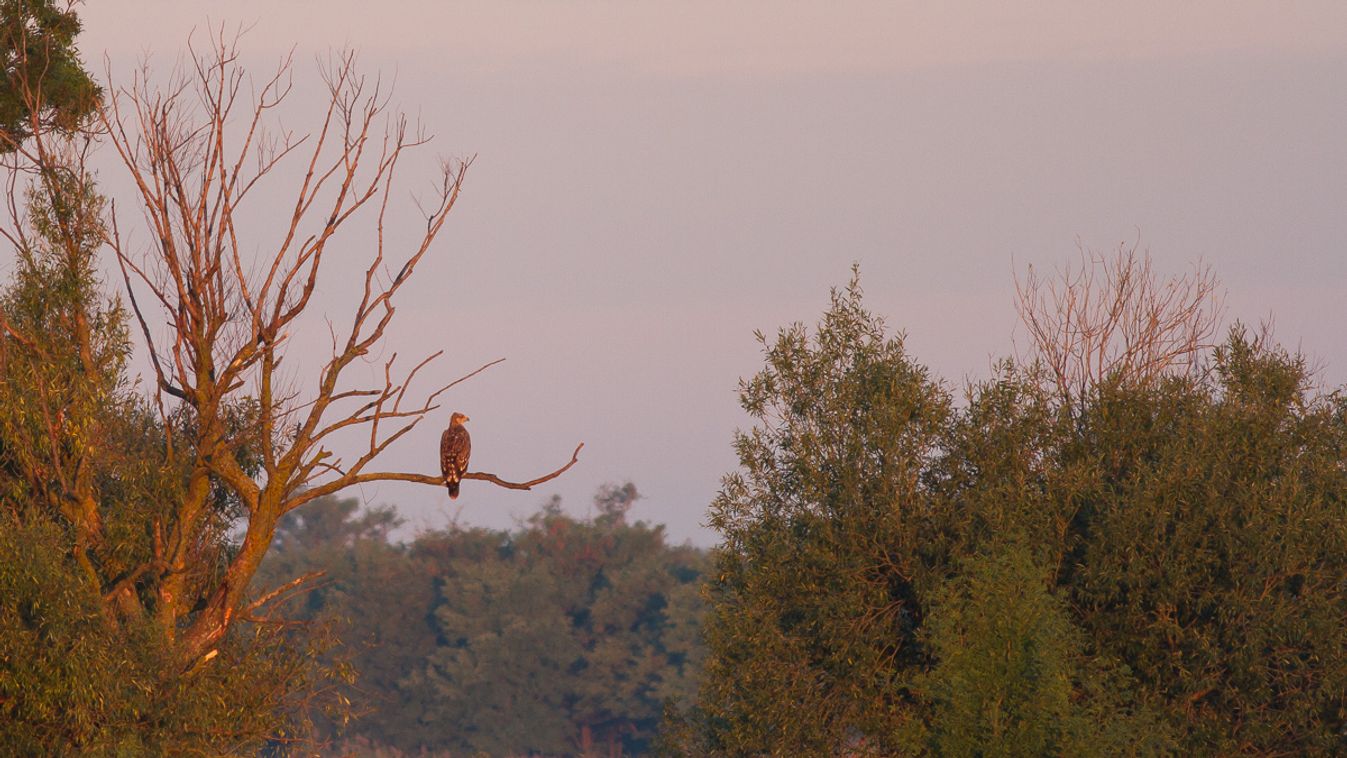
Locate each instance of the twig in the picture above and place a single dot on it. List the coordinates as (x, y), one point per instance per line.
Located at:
(483, 476)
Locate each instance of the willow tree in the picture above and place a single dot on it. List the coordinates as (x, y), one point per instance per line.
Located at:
(1130, 544)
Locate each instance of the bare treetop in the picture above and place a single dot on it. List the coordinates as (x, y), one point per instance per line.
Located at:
(1111, 316)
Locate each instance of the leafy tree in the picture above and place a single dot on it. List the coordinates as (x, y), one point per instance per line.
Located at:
(44, 84)
(1213, 551)
(1048, 567)
(815, 618)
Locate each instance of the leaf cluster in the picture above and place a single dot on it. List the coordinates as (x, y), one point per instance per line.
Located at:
(43, 83)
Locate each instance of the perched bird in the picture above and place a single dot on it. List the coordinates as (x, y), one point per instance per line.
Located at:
(455, 446)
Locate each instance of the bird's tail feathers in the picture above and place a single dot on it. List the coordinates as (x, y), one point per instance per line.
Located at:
(453, 489)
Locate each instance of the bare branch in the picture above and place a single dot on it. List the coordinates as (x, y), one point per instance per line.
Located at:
(284, 589)
(1113, 318)
(435, 479)
(530, 484)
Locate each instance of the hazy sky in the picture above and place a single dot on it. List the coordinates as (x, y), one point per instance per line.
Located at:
(655, 180)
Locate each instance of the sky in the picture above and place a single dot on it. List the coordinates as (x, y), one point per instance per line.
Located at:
(653, 181)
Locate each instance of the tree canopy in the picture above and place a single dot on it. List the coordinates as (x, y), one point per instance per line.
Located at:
(1150, 562)
(44, 85)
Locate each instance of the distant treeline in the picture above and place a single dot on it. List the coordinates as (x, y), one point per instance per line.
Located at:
(563, 636)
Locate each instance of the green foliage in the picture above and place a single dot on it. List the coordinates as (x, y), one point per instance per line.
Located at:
(1013, 677)
(76, 680)
(42, 70)
(65, 347)
(563, 637)
(1155, 566)
(813, 597)
(1216, 552)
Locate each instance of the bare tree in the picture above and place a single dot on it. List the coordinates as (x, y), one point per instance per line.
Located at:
(1112, 316)
(197, 152)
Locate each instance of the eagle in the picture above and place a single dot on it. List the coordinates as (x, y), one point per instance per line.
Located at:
(455, 446)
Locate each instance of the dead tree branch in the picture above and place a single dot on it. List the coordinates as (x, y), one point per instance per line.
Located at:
(1113, 318)
(285, 589)
(530, 484)
(437, 480)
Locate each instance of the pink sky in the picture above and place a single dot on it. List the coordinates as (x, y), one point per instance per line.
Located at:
(747, 37)
(655, 180)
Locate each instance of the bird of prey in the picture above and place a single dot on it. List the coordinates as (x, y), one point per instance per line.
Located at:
(455, 446)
